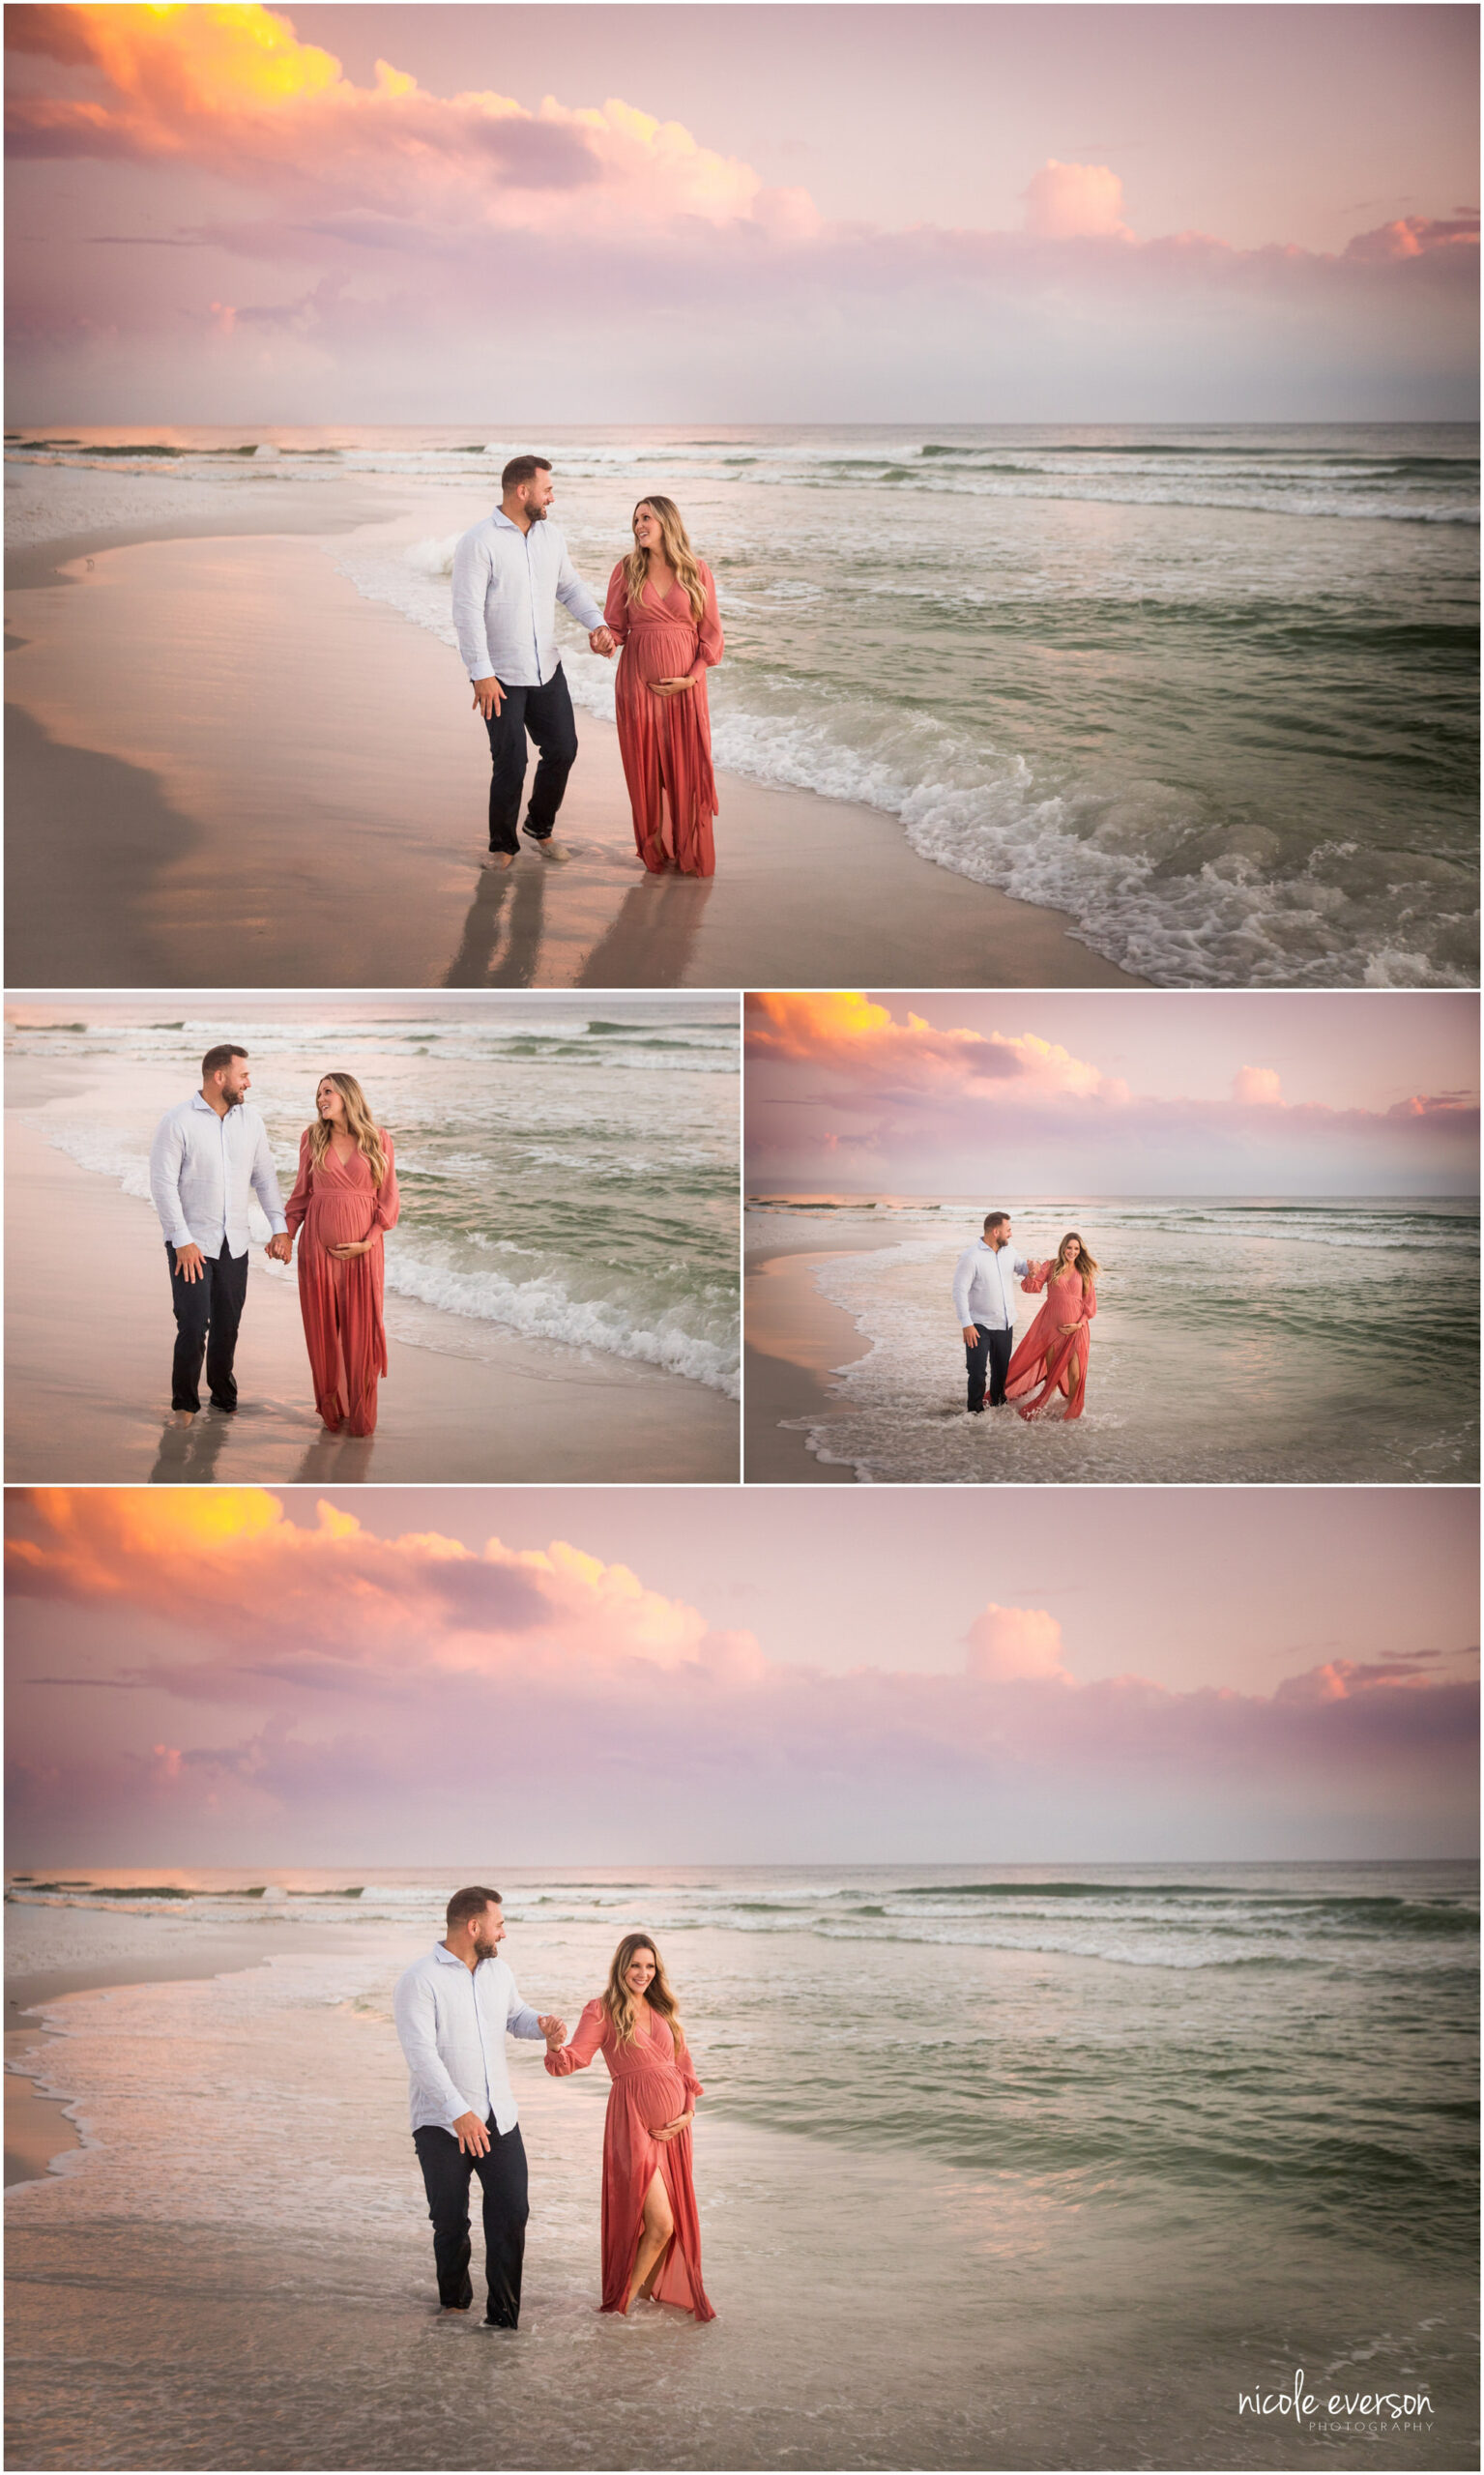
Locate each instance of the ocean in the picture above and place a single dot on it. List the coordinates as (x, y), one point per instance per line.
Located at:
(1213, 691)
(567, 1171)
(1008, 2164)
(1255, 1340)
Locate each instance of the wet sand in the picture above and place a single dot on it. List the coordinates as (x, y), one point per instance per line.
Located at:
(89, 1335)
(224, 766)
(796, 1340)
(44, 1965)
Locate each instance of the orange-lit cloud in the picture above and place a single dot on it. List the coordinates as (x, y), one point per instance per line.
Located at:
(384, 219)
(232, 91)
(845, 1032)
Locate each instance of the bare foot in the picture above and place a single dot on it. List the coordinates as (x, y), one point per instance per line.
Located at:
(182, 1417)
(496, 859)
(555, 851)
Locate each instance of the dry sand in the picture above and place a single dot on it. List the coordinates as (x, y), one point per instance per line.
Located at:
(89, 1335)
(225, 768)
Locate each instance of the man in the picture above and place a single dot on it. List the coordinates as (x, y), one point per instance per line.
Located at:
(509, 573)
(454, 2009)
(983, 1299)
(206, 1156)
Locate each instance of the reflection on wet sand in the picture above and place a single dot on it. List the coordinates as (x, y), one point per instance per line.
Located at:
(188, 1456)
(509, 902)
(651, 942)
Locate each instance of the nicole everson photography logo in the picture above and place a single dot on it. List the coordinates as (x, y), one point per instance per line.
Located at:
(1379, 2406)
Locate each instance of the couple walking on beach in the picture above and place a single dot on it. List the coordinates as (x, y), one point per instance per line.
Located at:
(209, 1154)
(509, 572)
(1052, 1360)
(454, 2008)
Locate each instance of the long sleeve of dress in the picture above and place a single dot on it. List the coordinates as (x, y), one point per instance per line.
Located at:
(1037, 1278)
(298, 1204)
(687, 2072)
(1089, 1304)
(389, 1201)
(265, 1182)
(616, 610)
(711, 644)
(578, 2053)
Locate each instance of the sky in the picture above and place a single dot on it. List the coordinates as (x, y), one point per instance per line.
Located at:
(1122, 1094)
(435, 213)
(609, 1676)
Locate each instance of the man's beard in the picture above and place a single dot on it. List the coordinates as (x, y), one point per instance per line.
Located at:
(537, 515)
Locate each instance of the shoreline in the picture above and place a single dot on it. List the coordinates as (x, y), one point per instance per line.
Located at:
(796, 1340)
(88, 1389)
(38, 2129)
(213, 750)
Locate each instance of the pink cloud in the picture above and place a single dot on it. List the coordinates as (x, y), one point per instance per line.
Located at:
(917, 1085)
(412, 202)
(1075, 201)
(393, 1670)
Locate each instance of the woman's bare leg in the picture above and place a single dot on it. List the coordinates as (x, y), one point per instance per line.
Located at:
(655, 2237)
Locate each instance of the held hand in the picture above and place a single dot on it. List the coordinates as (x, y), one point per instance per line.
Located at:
(345, 1252)
(280, 1248)
(971, 1334)
(603, 641)
(673, 2131)
(187, 1262)
(1068, 1327)
(670, 687)
(489, 696)
(553, 2029)
(472, 2135)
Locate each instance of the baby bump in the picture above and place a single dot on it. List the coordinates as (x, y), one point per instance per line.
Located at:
(657, 652)
(653, 2095)
(341, 1220)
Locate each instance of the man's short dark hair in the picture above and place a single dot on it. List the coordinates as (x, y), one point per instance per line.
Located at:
(523, 468)
(218, 1059)
(465, 1905)
(995, 1220)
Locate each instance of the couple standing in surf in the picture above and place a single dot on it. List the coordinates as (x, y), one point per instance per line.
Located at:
(1052, 1360)
(509, 572)
(454, 2009)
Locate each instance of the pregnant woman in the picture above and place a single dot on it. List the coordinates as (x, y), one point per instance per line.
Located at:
(650, 2234)
(1054, 1353)
(344, 1197)
(662, 609)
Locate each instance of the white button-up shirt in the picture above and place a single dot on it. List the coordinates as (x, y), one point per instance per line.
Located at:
(202, 1169)
(452, 2021)
(506, 585)
(983, 1286)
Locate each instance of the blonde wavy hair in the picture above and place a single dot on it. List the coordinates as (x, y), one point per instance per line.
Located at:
(620, 2005)
(358, 1122)
(678, 551)
(1085, 1262)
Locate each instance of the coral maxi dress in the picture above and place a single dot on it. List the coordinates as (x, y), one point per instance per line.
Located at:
(665, 741)
(1044, 1357)
(652, 2084)
(339, 1296)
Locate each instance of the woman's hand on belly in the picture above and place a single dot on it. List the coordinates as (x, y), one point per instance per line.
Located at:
(670, 687)
(358, 1246)
(673, 2131)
